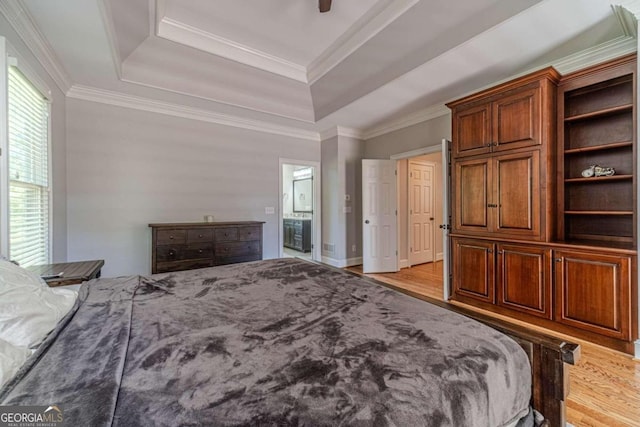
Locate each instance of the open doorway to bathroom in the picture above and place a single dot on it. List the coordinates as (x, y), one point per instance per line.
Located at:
(299, 209)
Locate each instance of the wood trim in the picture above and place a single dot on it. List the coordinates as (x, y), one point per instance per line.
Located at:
(609, 342)
(548, 73)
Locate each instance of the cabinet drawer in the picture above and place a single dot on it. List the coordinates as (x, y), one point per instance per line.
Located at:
(200, 235)
(177, 236)
(164, 267)
(233, 249)
(226, 234)
(184, 252)
(249, 233)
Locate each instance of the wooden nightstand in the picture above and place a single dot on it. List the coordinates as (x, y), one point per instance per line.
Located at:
(73, 273)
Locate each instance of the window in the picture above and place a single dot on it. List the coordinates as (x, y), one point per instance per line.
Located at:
(28, 123)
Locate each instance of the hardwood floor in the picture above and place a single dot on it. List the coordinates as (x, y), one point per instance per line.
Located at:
(604, 384)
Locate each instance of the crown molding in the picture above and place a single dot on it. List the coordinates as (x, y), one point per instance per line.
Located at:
(632, 6)
(20, 19)
(119, 99)
(346, 132)
(412, 119)
(182, 33)
(627, 20)
(614, 48)
(363, 30)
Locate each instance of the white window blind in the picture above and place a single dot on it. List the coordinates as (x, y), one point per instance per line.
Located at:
(28, 172)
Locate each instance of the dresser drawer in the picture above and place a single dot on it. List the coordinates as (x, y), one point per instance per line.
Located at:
(164, 267)
(226, 234)
(232, 249)
(249, 233)
(199, 235)
(184, 252)
(166, 237)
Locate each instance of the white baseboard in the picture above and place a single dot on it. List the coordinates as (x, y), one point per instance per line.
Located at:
(637, 350)
(341, 263)
(404, 263)
(439, 256)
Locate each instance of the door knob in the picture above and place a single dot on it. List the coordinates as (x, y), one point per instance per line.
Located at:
(366, 221)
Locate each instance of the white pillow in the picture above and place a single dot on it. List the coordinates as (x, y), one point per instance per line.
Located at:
(29, 309)
(11, 358)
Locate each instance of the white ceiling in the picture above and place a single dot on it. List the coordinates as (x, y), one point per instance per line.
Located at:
(364, 64)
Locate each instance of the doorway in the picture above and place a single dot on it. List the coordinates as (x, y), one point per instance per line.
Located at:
(299, 221)
(420, 198)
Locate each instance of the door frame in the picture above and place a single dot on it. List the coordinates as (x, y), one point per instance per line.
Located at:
(316, 221)
(446, 255)
(410, 234)
(407, 155)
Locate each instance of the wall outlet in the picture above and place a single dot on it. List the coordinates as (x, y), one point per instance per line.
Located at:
(269, 210)
(346, 209)
(353, 248)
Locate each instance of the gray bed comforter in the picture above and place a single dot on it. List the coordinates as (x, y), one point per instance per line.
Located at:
(277, 342)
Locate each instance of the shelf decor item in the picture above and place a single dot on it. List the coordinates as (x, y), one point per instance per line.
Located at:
(595, 170)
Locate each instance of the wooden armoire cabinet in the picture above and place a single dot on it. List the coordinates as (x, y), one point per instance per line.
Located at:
(535, 235)
(503, 155)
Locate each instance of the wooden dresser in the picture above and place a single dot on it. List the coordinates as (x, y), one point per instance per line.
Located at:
(185, 246)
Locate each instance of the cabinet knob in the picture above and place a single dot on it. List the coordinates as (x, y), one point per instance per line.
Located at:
(558, 259)
(200, 251)
(170, 237)
(489, 251)
(500, 252)
(172, 253)
(200, 236)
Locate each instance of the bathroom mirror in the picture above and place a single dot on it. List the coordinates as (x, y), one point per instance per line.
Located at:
(303, 195)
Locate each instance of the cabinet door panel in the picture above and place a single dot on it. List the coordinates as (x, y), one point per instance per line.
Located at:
(517, 183)
(516, 120)
(473, 183)
(593, 292)
(524, 279)
(473, 274)
(472, 130)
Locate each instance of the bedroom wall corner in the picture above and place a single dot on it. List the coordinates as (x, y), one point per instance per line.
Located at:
(341, 218)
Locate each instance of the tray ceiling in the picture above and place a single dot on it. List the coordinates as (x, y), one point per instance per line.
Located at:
(281, 61)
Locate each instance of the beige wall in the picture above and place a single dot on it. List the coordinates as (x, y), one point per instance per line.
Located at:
(127, 168)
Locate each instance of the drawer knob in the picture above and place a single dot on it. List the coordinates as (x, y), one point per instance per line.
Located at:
(200, 236)
(171, 237)
(172, 253)
(200, 251)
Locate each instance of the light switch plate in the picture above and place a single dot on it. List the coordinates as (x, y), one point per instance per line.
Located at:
(269, 210)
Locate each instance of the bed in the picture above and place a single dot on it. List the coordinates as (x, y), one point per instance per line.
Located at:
(286, 342)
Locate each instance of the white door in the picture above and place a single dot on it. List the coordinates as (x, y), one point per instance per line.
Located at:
(446, 218)
(379, 229)
(421, 212)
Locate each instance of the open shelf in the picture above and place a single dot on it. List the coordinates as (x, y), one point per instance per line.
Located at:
(609, 146)
(600, 113)
(596, 126)
(598, 212)
(600, 178)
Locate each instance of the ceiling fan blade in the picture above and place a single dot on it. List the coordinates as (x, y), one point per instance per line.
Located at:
(324, 5)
